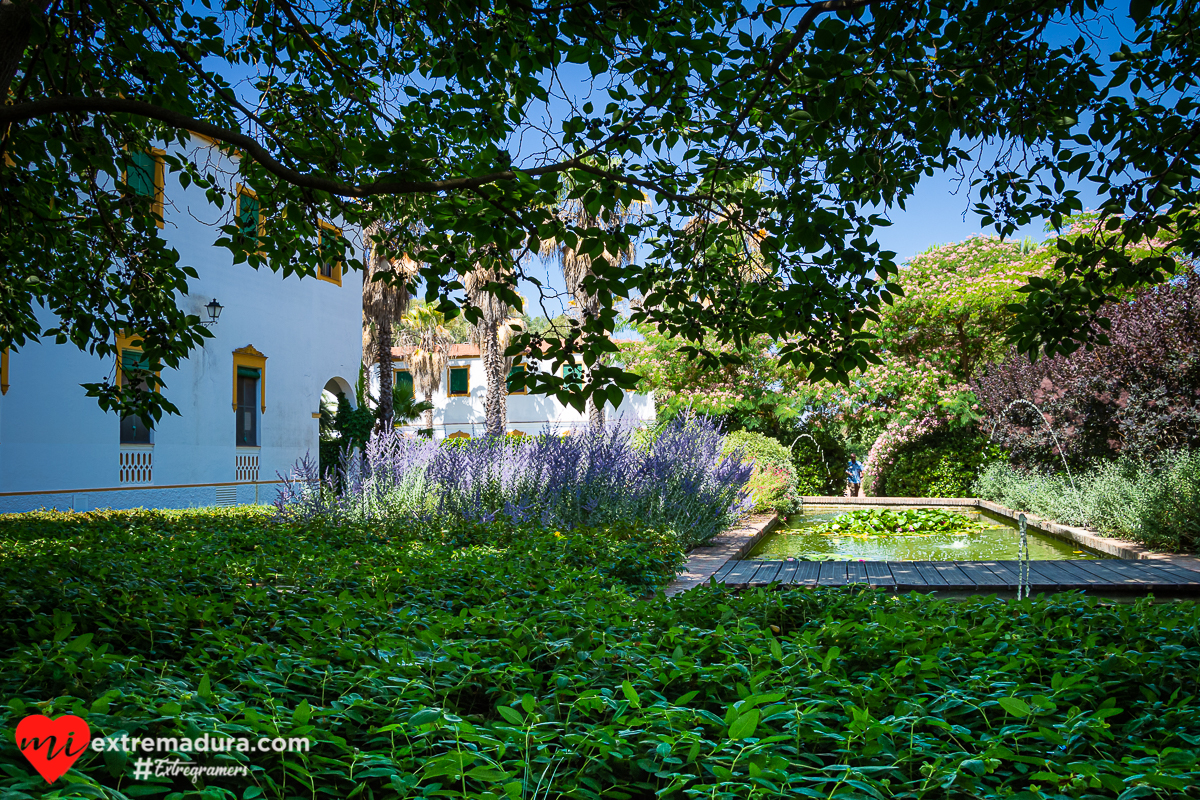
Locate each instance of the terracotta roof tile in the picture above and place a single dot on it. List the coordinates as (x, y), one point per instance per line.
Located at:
(456, 351)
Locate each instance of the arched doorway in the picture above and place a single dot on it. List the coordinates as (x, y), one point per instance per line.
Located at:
(336, 403)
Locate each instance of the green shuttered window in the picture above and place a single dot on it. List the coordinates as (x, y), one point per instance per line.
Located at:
(141, 173)
(460, 382)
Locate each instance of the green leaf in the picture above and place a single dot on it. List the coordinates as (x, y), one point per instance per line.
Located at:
(79, 643)
(630, 694)
(744, 725)
(1014, 705)
(425, 716)
(511, 715)
(301, 714)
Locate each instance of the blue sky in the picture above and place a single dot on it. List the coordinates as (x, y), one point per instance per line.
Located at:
(940, 213)
(940, 210)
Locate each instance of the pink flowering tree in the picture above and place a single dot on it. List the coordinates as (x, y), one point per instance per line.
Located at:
(951, 318)
(951, 324)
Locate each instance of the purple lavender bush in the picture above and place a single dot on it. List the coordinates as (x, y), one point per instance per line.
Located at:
(679, 482)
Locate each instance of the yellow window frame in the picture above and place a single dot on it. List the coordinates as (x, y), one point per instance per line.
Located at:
(131, 342)
(450, 382)
(515, 367)
(249, 357)
(322, 226)
(396, 378)
(157, 204)
(246, 191)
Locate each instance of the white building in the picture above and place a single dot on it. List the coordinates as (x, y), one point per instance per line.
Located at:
(459, 403)
(248, 399)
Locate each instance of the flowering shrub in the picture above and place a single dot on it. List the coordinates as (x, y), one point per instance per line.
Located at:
(1138, 396)
(772, 484)
(953, 319)
(895, 437)
(679, 483)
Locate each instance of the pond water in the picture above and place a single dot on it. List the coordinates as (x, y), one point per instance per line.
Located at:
(999, 541)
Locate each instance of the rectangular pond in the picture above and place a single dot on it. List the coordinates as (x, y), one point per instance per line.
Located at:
(817, 535)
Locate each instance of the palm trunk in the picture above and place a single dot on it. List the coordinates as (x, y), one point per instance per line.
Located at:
(429, 414)
(386, 411)
(595, 411)
(493, 366)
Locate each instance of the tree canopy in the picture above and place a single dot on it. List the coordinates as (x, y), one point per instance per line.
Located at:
(796, 125)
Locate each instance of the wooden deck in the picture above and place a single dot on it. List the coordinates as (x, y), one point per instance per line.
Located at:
(1166, 578)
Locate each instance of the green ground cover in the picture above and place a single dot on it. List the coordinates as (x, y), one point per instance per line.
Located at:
(482, 661)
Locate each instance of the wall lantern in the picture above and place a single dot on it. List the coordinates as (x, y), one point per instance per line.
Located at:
(214, 312)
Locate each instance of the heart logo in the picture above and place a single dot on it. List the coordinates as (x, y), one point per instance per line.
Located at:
(52, 745)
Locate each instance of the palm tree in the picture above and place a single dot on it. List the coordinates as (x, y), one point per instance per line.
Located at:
(492, 333)
(384, 300)
(719, 235)
(423, 330)
(577, 266)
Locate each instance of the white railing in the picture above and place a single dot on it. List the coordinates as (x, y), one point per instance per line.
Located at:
(136, 466)
(246, 468)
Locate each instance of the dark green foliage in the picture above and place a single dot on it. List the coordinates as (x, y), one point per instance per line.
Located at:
(862, 437)
(820, 467)
(468, 669)
(942, 465)
(877, 522)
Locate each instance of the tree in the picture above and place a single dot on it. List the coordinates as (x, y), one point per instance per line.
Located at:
(385, 299)
(492, 333)
(1139, 397)
(581, 278)
(423, 332)
(841, 105)
(755, 391)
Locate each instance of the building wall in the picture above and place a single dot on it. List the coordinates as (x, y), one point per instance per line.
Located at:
(54, 439)
(527, 413)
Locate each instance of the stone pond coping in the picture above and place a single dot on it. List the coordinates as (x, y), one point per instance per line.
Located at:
(733, 544)
(703, 562)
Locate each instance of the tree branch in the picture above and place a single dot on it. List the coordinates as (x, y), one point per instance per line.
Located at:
(119, 105)
(16, 26)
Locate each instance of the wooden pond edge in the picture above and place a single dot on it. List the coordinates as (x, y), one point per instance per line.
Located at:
(719, 557)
